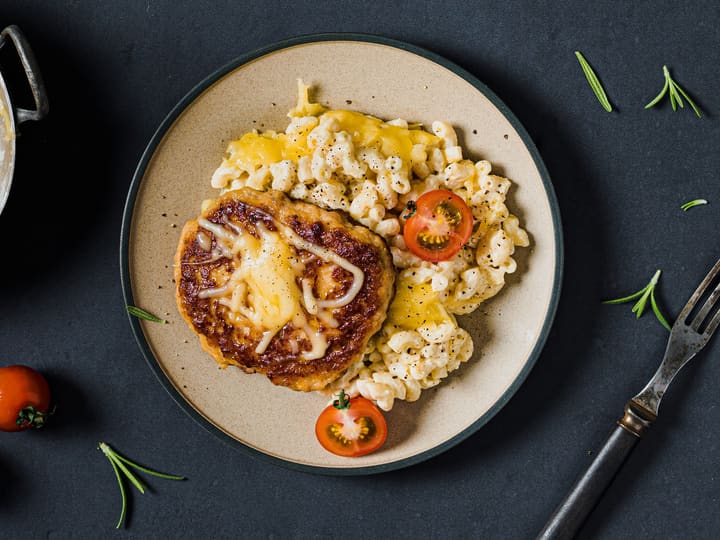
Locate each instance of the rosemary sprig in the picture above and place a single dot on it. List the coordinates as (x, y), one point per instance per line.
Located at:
(695, 202)
(594, 82)
(676, 94)
(120, 465)
(647, 292)
(142, 314)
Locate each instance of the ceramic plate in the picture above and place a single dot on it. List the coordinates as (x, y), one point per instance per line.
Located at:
(387, 79)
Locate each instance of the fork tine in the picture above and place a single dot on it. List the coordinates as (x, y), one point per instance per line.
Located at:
(712, 325)
(698, 293)
(707, 306)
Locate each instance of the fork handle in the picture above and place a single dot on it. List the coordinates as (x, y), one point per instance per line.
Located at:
(585, 494)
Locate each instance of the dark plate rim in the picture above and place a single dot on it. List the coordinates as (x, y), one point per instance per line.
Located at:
(130, 205)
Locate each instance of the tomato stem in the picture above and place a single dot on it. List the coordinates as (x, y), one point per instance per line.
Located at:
(30, 417)
(342, 403)
(411, 207)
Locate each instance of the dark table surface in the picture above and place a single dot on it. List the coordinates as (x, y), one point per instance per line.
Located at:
(113, 70)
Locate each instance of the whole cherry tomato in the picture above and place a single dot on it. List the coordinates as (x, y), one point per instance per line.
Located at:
(439, 227)
(351, 427)
(24, 398)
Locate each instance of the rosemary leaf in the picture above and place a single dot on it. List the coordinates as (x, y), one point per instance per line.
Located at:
(639, 307)
(146, 470)
(122, 492)
(678, 99)
(130, 476)
(142, 314)
(659, 96)
(690, 101)
(656, 310)
(625, 298)
(690, 204)
(594, 82)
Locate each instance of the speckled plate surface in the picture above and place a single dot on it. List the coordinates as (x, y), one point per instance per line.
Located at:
(388, 79)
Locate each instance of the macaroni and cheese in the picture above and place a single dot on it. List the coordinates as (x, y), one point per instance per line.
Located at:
(369, 168)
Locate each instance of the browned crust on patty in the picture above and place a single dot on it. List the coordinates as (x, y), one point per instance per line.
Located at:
(234, 343)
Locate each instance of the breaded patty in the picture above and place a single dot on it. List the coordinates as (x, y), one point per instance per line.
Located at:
(282, 288)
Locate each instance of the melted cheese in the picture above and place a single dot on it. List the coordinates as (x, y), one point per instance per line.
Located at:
(254, 150)
(368, 131)
(317, 341)
(304, 106)
(330, 256)
(272, 294)
(415, 305)
(263, 287)
(308, 297)
(204, 241)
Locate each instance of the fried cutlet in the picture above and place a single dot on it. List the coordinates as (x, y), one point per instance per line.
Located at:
(281, 287)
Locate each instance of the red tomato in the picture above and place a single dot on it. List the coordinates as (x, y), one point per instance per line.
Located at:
(24, 398)
(439, 226)
(351, 427)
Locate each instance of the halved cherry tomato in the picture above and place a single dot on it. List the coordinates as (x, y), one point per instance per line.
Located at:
(351, 427)
(24, 398)
(439, 226)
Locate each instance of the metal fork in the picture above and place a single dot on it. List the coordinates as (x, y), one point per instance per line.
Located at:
(687, 337)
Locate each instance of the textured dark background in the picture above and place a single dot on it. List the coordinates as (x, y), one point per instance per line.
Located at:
(115, 69)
